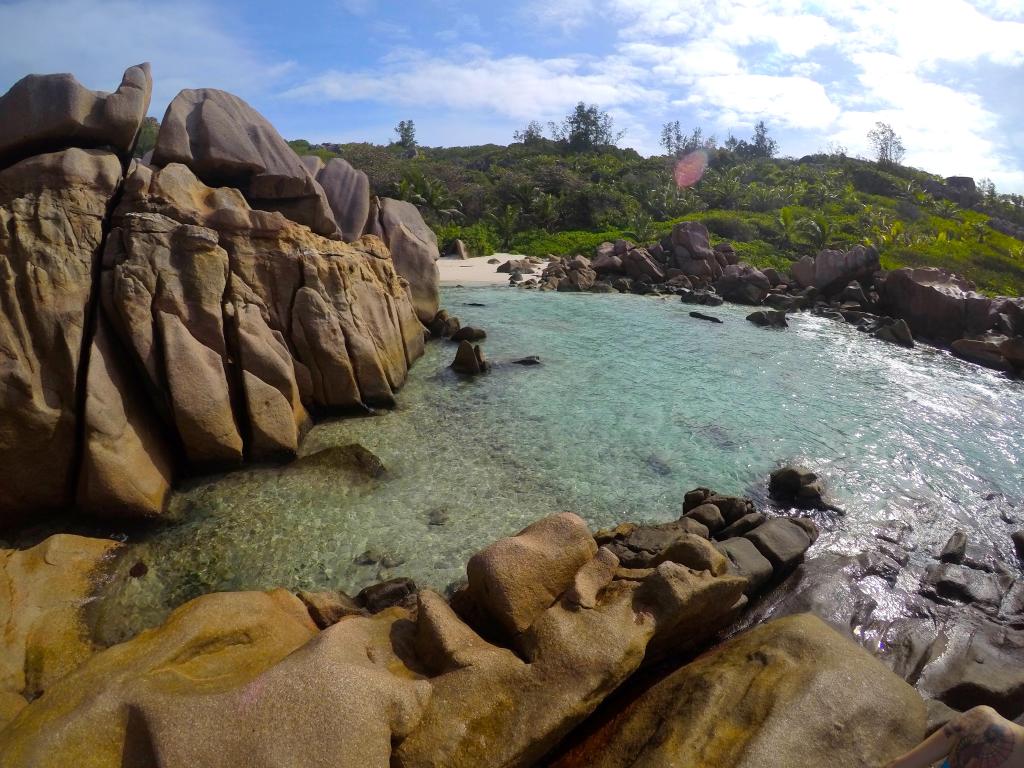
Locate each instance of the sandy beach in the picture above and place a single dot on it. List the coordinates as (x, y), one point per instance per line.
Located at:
(477, 271)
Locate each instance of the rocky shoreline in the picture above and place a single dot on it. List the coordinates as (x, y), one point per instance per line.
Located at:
(897, 306)
(724, 647)
(195, 310)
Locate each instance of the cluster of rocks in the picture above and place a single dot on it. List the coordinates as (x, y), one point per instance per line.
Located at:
(190, 311)
(849, 286)
(510, 671)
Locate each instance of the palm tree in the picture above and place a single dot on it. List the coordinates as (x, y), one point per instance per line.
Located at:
(788, 221)
(819, 230)
(506, 222)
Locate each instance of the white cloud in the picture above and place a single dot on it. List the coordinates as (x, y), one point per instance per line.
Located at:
(567, 15)
(794, 102)
(98, 39)
(514, 86)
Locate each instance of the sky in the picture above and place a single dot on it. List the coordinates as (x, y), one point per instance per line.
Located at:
(947, 75)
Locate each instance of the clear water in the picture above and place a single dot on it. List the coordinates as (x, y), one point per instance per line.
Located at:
(635, 403)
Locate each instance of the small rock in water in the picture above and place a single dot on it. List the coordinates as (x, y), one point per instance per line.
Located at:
(955, 548)
(473, 304)
(138, 570)
(469, 333)
(658, 466)
(438, 516)
(1018, 543)
(702, 316)
(529, 360)
(469, 360)
(377, 597)
(383, 559)
(768, 318)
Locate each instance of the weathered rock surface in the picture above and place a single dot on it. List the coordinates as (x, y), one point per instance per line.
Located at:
(743, 284)
(936, 304)
(768, 318)
(414, 250)
(211, 644)
(43, 592)
(52, 207)
(48, 113)
(791, 687)
(831, 271)
(469, 360)
(227, 143)
(517, 578)
(348, 192)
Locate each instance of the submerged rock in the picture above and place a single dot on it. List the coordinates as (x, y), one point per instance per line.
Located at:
(708, 318)
(768, 318)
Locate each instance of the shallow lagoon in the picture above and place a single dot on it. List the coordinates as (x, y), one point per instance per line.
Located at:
(635, 403)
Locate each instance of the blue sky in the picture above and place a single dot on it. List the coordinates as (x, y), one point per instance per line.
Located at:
(948, 75)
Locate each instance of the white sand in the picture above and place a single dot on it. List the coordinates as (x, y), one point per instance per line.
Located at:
(477, 271)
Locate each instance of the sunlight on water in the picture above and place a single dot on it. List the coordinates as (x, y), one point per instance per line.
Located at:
(635, 403)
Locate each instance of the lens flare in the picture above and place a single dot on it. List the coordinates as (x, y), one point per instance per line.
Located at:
(690, 168)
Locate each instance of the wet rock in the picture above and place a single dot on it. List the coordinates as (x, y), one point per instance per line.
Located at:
(708, 318)
(340, 458)
(48, 113)
(1018, 543)
(798, 487)
(328, 608)
(745, 560)
(731, 507)
(43, 592)
(1012, 350)
(768, 318)
(948, 582)
(707, 515)
(378, 597)
(781, 541)
(469, 333)
(955, 548)
(517, 578)
(985, 351)
(382, 558)
(530, 360)
(897, 332)
(694, 498)
(469, 360)
(979, 664)
(741, 526)
(643, 546)
(702, 297)
(759, 699)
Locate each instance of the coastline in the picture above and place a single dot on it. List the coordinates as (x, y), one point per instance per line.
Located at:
(477, 271)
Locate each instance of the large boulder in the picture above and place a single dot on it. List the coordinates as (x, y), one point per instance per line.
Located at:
(831, 271)
(693, 236)
(214, 643)
(790, 692)
(47, 113)
(221, 304)
(43, 594)
(638, 264)
(348, 192)
(743, 284)
(515, 579)
(937, 304)
(53, 208)
(414, 250)
(227, 143)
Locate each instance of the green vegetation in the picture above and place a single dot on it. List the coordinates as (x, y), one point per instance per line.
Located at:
(567, 194)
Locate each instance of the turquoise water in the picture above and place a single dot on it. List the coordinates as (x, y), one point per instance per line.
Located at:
(635, 403)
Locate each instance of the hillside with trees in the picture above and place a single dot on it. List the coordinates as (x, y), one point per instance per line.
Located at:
(566, 187)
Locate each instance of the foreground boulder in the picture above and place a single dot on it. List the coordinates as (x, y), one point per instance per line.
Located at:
(227, 143)
(236, 679)
(743, 284)
(53, 206)
(791, 692)
(47, 113)
(414, 250)
(43, 594)
(937, 304)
